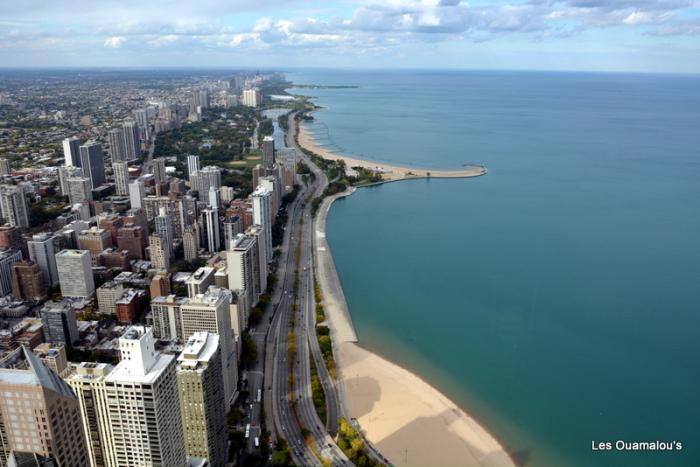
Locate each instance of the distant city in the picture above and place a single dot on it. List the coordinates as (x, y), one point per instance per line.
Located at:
(150, 224)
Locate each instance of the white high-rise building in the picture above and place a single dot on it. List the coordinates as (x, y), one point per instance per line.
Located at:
(42, 252)
(211, 312)
(263, 217)
(203, 179)
(251, 98)
(192, 164)
(13, 206)
(121, 177)
(132, 411)
(75, 273)
(71, 151)
(201, 389)
(137, 192)
(214, 198)
(257, 232)
(132, 140)
(211, 229)
(243, 267)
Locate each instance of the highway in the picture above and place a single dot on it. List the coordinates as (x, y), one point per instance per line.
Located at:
(290, 400)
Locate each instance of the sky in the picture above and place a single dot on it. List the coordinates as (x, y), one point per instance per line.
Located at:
(589, 35)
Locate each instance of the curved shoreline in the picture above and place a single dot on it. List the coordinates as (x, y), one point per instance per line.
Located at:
(390, 173)
(396, 409)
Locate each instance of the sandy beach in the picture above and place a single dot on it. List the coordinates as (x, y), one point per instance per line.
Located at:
(389, 172)
(406, 419)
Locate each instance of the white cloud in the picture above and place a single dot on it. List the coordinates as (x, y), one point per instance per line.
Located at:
(114, 42)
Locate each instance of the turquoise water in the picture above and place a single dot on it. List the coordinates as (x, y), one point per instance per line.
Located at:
(557, 299)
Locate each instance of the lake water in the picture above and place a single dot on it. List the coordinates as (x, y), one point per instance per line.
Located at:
(557, 298)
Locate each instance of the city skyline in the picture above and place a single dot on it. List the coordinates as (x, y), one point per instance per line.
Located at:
(581, 35)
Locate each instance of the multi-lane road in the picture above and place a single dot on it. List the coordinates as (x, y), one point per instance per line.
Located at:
(284, 380)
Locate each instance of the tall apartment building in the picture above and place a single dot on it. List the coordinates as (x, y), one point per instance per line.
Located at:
(116, 145)
(201, 389)
(263, 217)
(64, 173)
(200, 280)
(165, 310)
(132, 140)
(175, 208)
(132, 411)
(28, 281)
(42, 252)
(243, 266)
(212, 232)
(71, 151)
(7, 259)
(137, 192)
(160, 257)
(79, 190)
(205, 178)
(160, 284)
(4, 167)
(92, 163)
(13, 206)
(158, 170)
(163, 224)
(107, 296)
(75, 273)
(268, 148)
(190, 243)
(211, 312)
(232, 226)
(121, 177)
(251, 97)
(39, 413)
(192, 164)
(54, 357)
(95, 240)
(132, 239)
(256, 232)
(60, 325)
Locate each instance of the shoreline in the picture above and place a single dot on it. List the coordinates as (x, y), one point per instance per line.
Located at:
(400, 414)
(390, 173)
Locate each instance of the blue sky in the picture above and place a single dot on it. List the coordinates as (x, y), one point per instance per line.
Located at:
(595, 35)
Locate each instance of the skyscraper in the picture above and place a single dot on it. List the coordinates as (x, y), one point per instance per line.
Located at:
(132, 140)
(211, 312)
(27, 281)
(251, 97)
(268, 148)
(232, 227)
(71, 151)
(164, 227)
(39, 412)
(42, 252)
(137, 192)
(201, 389)
(92, 163)
(243, 267)
(121, 177)
(212, 232)
(192, 164)
(205, 178)
(7, 259)
(116, 145)
(160, 258)
(75, 273)
(158, 170)
(79, 190)
(13, 206)
(190, 243)
(64, 173)
(263, 217)
(60, 325)
(133, 409)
